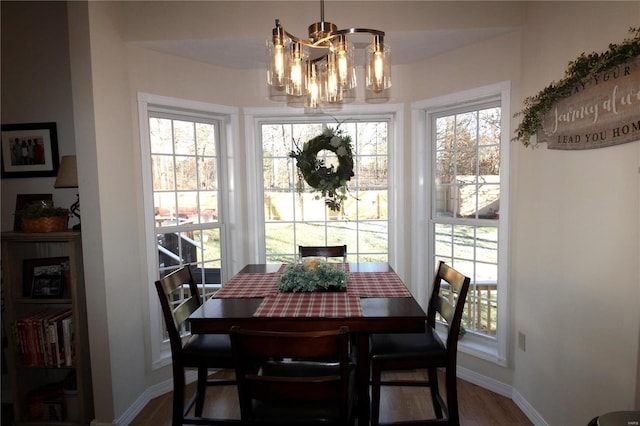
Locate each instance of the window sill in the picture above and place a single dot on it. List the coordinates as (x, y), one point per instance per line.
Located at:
(478, 346)
(488, 352)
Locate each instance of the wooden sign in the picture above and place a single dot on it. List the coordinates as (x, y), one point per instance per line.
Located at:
(602, 112)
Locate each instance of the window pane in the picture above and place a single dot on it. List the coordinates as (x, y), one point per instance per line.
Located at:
(277, 174)
(372, 172)
(466, 130)
(444, 133)
(371, 205)
(208, 206)
(206, 139)
(372, 236)
(186, 173)
(163, 172)
(279, 238)
(445, 167)
(165, 208)
(160, 136)
(489, 126)
(184, 137)
(207, 173)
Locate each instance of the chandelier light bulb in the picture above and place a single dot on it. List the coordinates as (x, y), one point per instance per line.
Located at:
(313, 86)
(277, 57)
(332, 78)
(342, 65)
(377, 69)
(295, 81)
(378, 66)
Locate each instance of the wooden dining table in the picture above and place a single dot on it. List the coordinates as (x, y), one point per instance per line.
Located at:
(376, 301)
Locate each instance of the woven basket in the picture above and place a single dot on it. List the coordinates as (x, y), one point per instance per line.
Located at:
(45, 224)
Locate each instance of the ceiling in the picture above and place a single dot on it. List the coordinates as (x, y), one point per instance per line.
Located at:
(249, 53)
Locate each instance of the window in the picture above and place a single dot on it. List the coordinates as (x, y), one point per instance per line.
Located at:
(186, 193)
(295, 218)
(286, 218)
(466, 205)
(185, 198)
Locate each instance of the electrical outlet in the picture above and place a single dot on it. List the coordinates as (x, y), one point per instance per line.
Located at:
(522, 341)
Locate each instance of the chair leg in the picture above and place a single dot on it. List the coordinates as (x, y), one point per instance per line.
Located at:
(376, 376)
(201, 389)
(452, 396)
(178, 397)
(433, 387)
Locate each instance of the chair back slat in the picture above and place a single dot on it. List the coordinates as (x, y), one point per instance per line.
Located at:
(179, 298)
(454, 278)
(444, 308)
(323, 251)
(185, 309)
(450, 308)
(290, 344)
(294, 389)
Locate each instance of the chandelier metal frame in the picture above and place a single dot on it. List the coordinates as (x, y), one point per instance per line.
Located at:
(330, 79)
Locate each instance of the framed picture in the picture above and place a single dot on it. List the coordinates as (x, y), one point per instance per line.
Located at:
(25, 200)
(29, 150)
(44, 277)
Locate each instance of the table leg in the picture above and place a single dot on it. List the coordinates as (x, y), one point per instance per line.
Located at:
(363, 370)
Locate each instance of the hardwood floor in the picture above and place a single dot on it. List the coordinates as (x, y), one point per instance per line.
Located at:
(478, 406)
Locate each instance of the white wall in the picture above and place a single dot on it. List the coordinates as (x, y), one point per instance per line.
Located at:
(28, 95)
(120, 211)
(575, 215)
(575, 245)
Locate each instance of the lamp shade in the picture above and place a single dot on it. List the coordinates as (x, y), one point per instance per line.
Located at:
(67, 173)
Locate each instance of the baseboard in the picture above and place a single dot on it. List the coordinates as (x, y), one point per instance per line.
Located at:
(150, 393)
(505, 390)
(528, 409)
(485, 382)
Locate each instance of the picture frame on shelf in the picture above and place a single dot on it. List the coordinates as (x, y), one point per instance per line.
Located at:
(44, 277)
(29, 150)
(25, 200)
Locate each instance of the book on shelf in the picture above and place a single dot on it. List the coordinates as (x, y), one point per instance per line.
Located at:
(45, 338)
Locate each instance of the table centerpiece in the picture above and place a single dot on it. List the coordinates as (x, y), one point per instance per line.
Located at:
(312, 275)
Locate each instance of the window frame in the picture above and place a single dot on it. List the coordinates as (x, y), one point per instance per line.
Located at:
(492, 349)
(226, 119)
(255, 117)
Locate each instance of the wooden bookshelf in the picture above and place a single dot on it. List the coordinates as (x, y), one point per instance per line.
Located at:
(48, 361)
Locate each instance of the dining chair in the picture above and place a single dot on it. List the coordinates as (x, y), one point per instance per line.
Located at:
(294, 378)
(323, 251)
(410, 351)
(179, 297)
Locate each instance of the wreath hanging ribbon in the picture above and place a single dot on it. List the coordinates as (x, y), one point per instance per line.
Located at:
(330, 182)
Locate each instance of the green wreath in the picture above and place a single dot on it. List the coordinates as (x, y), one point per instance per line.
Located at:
(329, 181)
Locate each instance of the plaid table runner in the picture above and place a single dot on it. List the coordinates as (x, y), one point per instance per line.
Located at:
(376, 284)
(331, 305)
(360, 284)
(249, 285)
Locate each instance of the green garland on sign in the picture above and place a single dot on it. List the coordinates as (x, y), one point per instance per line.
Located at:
(329, 181)
(583, 69)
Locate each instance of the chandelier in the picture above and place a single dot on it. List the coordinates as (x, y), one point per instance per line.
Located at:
(319, 72)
